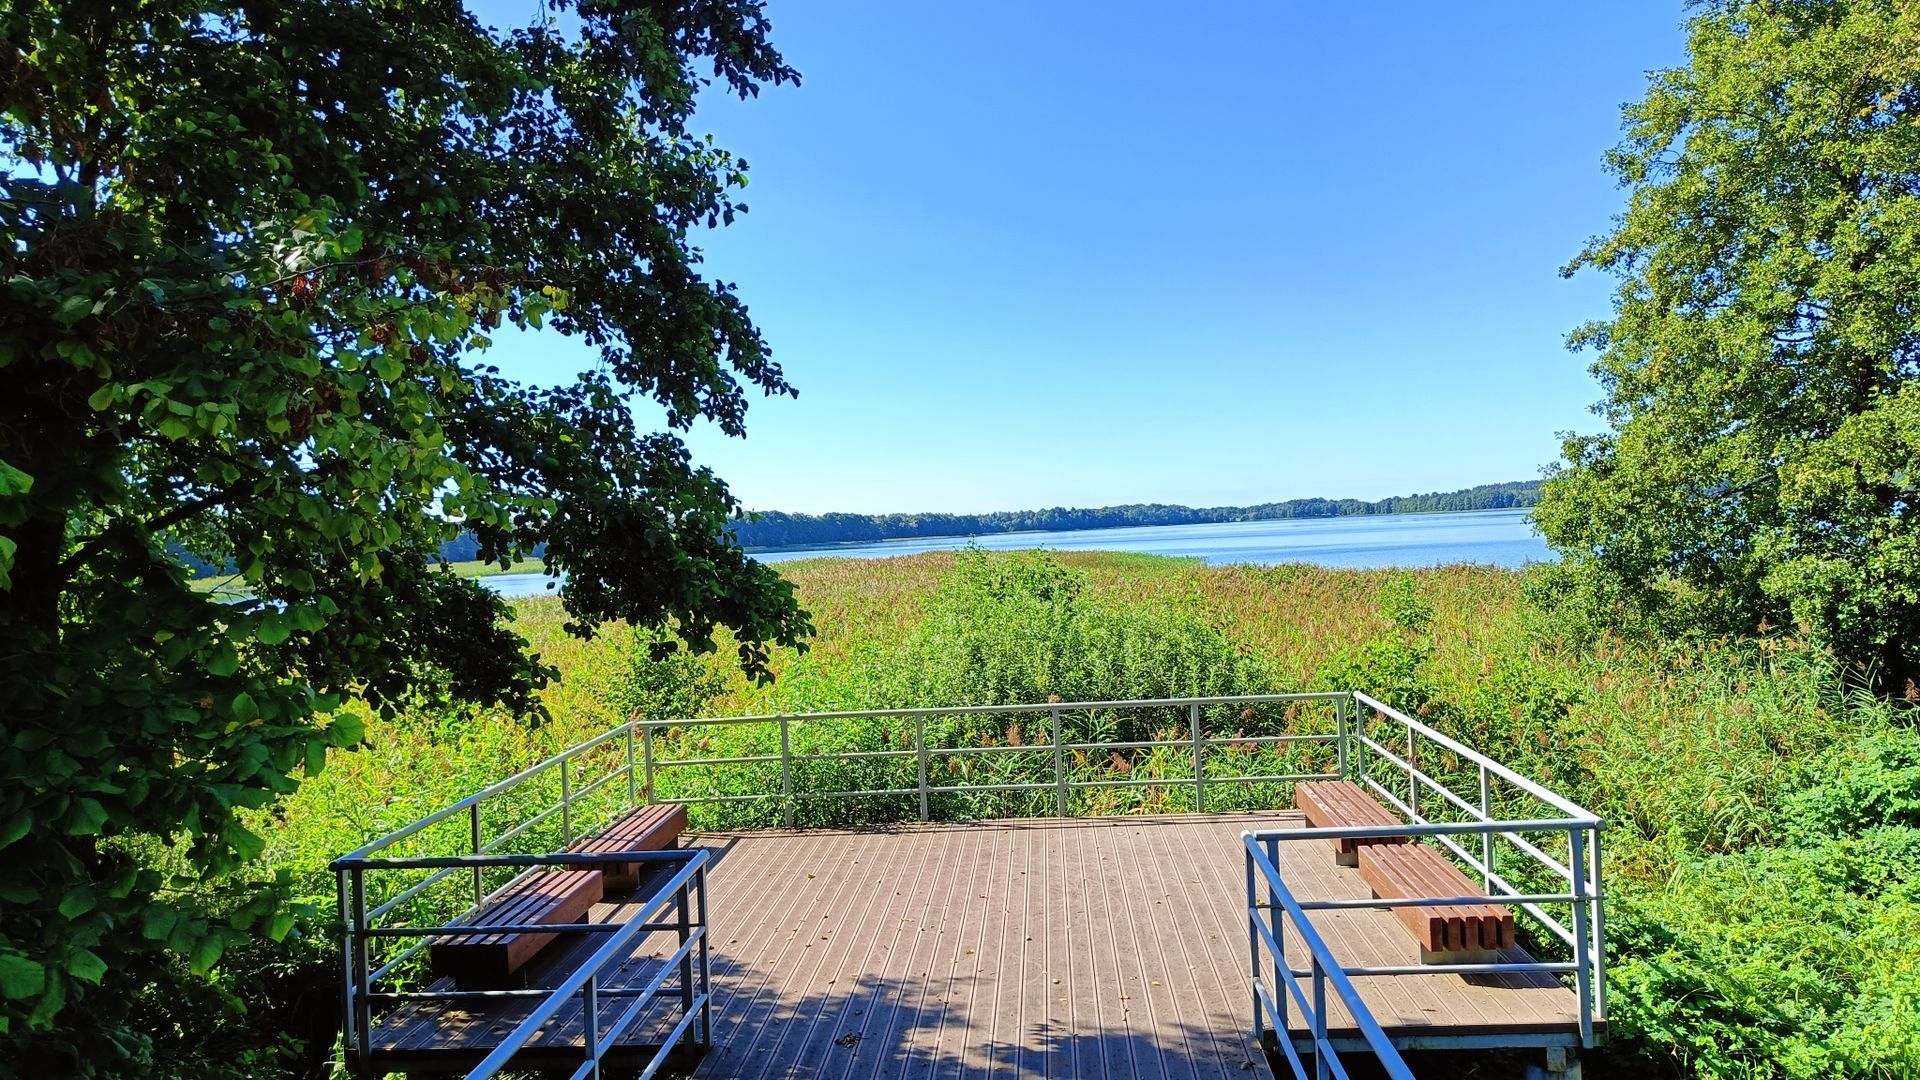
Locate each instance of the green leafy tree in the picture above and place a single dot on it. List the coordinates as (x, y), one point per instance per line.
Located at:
(1763, 462)
(248, 253)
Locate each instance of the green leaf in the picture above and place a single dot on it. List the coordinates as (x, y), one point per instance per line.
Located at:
(206, 954)
(77, 902)
(280, 925)
(86, 966)
(346, 730)
(243, 707)
(100, 399)
(274, 629)
(13, 481)
(15, 827)
(20, 977)
(86, 817)
(156, 923)
(225, 661)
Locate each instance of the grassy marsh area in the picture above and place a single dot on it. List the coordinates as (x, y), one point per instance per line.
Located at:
(1763, 816)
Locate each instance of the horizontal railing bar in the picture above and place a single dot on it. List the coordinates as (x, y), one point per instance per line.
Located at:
(1442, 828)
(875, 793)
(958, 788)
(667, 1044)
(976, 710)
(475, 929)
(484, 793)
(1472, 860)
(800, 756)
(1271, 778)
(1431, 783)
(1493, 767)
(962, 751)
(1427, 901)
(552, 858)
(406, 954)
(1551, 967)
(409, 893)
(397, 996)
(754, 759)
(687, 800)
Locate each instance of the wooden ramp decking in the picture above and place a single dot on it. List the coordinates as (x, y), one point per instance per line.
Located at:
(1090, 947)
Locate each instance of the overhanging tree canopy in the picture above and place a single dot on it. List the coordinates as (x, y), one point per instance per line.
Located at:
(1762, 368)
(248, 252)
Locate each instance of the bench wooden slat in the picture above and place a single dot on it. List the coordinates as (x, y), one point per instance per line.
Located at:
(1412, 871)
(1331, 803)
(542, 897)
(656, 827)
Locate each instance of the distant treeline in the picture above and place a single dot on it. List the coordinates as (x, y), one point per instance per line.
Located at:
(775, 529)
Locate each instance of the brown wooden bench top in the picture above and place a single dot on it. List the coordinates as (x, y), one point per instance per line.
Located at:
(542, 897)
(1411, 871)
(1331, 803)
(655, 827)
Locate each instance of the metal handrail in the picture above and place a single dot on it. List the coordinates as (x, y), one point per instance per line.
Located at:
(1196, 740)
(1323, 970)
(686, 885)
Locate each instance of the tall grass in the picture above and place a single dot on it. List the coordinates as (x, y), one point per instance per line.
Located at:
(1762, 815)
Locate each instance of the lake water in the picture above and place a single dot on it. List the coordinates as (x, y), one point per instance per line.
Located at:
(1495, 537)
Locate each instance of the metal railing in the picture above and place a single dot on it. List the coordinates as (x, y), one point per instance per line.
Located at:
(392, 906)
(1057, 779)
(1266, 943)
(1499, 822)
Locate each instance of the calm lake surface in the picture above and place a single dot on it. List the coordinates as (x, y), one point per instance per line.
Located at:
(1495, 537)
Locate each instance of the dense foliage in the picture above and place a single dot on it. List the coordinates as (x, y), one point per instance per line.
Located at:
(1762, 366)
(248, 253)
(1763, 815)
(780, 529)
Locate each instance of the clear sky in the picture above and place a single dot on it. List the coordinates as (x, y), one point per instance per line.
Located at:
(1027, 254)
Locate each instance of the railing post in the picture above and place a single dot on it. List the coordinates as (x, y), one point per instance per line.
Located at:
(1279, 938)
(590, 1021)
(684, 920)
(1359, 728)
(1599, 927)
(355, 1061)
(706, 963)
(1059, 769)
(646, 743)
(479, 872)
(566, 802)
(1253, 945)
(786, 772)
(1199, 765)
(1413, 779)
(1340, 727)
(920, 760)
(1486, 839)
(362, 1008)
(1582, 943)
(1319, 1029)
(633, 775)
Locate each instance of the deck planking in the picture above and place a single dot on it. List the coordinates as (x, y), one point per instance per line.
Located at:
(1102, 947)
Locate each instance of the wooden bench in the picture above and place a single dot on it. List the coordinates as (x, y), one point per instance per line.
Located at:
(543, 897)
(1331, 803)
(656, 827)
(1448, 934)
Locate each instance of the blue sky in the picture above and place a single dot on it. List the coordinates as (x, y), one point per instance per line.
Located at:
(1032, 254)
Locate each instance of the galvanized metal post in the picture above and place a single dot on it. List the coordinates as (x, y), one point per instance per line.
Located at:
(1199, 764)
(1598, 905)
(1253, 947)
(566, 802)
(1413, 781)
(786, 773)
(355, 1062)
(684, 924)
(1278, 934)
(590, 1022)
(646, 742)
(1320, 1063)
(706, 963)
(1359, 726)
(1582, 941)
(920, 760)
(1059, 769)
(479, 872)
(362, 1008)
(1486, 839)
(633, 775)
(1340, 727)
